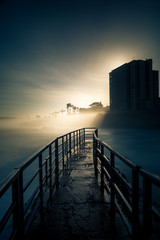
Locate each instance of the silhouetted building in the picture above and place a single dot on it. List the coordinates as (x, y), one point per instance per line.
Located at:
(134, 86)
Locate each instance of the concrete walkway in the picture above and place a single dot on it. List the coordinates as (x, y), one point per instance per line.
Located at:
(79, 209)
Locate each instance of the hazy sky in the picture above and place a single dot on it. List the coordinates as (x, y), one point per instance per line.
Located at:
(55, 52)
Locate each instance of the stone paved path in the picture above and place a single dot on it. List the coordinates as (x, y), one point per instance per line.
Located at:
(79, 210)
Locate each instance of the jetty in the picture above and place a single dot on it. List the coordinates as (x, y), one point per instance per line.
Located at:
(75, 188)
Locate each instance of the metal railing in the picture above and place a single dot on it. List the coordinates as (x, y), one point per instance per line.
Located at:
(132, 200)
(30, 185)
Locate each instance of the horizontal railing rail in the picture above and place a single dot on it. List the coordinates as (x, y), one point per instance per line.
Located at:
(132, 200)
(26, 186)
(25, 190)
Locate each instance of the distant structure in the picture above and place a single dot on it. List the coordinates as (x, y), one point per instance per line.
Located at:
(134, 86)
(96, 106)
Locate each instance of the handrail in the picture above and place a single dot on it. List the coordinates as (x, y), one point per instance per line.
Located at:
(37, 175)
(27, 184)
(116, 153)
(124, 196)
(5, 184)
(153, 178)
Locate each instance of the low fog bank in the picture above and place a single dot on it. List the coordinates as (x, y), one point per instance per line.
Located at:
(139, 119)
(22, 137)
(60, 124)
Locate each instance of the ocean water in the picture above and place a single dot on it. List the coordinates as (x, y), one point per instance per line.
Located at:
(141, 146)
(21, 138)
(18, 145)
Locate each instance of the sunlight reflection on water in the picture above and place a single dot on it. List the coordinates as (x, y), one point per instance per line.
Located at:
(20, 138)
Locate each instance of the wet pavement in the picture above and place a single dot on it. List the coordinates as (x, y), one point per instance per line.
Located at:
(79, 209)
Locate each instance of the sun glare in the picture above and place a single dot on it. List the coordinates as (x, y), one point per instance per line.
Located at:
(82, 100)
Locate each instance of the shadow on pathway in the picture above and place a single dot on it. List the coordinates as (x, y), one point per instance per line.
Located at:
(79, 209)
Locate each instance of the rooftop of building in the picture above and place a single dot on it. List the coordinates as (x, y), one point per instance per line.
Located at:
(125, 64)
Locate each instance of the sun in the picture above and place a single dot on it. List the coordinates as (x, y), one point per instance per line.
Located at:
(82, 100)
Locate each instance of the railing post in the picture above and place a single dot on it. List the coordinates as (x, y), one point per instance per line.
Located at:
(18, 212)
(56, 164)
(50, 171)
(102, 170)
(74, 141)
(95, 152)
(21, 204)
(96, 132)
(84, 137)
(70, 147)
(66, 149)
(95, 158)
(46, 172)
(41, 188)
(15, 201)
(63, 150)
(147, 207)
(135, 203)
(112, 164)
(79, 137)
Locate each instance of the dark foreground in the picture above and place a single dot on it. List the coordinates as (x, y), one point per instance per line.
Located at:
(79, 209)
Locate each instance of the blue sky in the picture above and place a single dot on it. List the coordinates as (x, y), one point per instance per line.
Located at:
(55, 52)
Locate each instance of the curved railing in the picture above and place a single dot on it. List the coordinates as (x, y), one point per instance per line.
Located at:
(29, 185)
(132, 199)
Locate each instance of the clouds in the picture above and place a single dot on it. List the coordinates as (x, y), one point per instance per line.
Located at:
(51, 53)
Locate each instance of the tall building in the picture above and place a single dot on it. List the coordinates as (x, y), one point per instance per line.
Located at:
(134, 86)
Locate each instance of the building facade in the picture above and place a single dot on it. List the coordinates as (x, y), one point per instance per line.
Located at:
(134, 86)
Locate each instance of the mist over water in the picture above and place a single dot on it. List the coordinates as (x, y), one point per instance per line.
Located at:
(21, 137)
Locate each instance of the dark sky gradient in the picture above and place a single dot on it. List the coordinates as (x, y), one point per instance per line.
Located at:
(54, 52)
